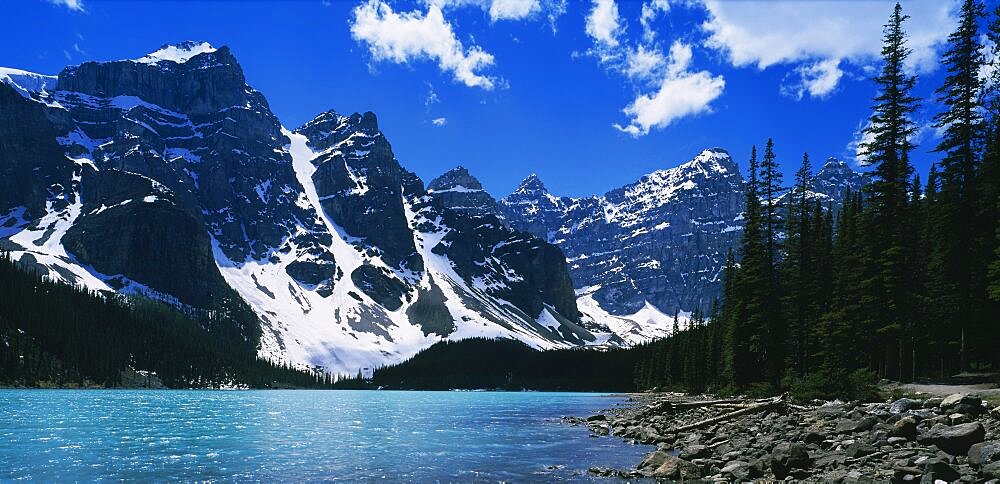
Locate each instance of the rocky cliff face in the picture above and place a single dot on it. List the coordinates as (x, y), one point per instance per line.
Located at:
(657, 246)
(462, 192)
(834, 179)
(661, 240)
(169, 176)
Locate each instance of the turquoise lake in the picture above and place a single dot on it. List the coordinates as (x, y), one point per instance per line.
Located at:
(58, 435)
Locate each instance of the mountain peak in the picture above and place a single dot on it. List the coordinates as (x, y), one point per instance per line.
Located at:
(712, 160)
(455, 179)
(326, 117)
(836, 164)
(531, 184)
(179, 53)
(330, 128)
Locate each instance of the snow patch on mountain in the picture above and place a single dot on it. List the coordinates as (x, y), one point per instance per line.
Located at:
(25, 82)
(178, 53)
(647, 324)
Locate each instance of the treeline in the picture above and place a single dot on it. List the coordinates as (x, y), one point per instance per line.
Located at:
(504, 364)
(53, 334)
(903, 282)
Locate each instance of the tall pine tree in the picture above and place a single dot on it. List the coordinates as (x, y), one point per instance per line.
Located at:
(890, 130)
(963, 125)
(797, 271)
(774, 321)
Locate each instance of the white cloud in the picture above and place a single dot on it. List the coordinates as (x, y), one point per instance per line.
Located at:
(765, 33)
(400, 37)
(857, 144)
(497, 9)
(432, 96)
(602, 23)
(668, 89)
(439, 121)
(681, 93)
(819, 79)
(75, 5)
(643, 63)
(680, 58)
(988, 72)
(513, 9)
(650, 10)
(924, 134)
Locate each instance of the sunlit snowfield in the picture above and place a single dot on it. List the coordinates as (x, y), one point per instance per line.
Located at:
(294, 435)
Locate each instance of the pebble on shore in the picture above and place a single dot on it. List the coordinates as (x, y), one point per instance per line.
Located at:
(956, 438)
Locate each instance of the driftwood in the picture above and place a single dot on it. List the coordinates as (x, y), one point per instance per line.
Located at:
(712, 446)
(672, 406)
(883, 453)
(752, 409)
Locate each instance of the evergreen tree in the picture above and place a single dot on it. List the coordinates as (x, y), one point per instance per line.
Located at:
(963, 132)
(751, 293)
(774, 333)
(890, 129)
(797, 271)
(988, 196)
(728, 318)
(770, 187)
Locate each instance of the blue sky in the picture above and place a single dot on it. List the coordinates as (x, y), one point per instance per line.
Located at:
(588, 94)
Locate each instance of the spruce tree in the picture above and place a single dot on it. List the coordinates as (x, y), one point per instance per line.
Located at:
(774, 334)
(797, 268)
(890, 129)
(751, 289)
(729, 320)
(963, 133)
(988, 197)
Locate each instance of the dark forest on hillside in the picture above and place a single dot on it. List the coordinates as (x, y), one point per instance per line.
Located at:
(504, 364)
(53, 334)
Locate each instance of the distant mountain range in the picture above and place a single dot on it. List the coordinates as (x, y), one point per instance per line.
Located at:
(168, 176)
(649, 249)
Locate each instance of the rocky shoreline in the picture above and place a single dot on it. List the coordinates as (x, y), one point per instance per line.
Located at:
(955, 438)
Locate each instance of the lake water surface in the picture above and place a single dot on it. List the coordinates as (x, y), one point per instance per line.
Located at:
(52, 435)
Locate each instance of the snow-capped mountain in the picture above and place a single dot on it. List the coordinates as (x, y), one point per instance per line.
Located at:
(169, 176)
(834, 179)
(459, 190)
(655, 247)
(658, 243)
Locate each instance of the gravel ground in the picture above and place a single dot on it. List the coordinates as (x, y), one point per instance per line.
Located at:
(955, 438)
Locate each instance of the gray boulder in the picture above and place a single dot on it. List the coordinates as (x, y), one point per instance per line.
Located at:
(990, 471)
(660, 464)
(863, 424)
(905, 427)
(984, 453)
(936, 469)
(736, 470)
(904, 405)
(954, 439)
(957, 399)
(787, 457)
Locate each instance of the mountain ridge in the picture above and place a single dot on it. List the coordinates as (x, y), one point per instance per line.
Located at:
(346, 259)
(341, 254)
(570, 223)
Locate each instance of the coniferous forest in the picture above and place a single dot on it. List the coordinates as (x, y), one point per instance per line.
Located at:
(902, 282)
(53, 334)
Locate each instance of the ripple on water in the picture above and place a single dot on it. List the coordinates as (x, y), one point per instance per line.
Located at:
(301, 435)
